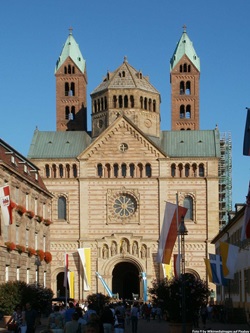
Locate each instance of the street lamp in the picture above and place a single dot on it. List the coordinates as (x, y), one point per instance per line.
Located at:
(182, 231)
(37, 264)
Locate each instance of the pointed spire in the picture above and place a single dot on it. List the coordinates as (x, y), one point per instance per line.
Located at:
(184, 46)
(71, 49)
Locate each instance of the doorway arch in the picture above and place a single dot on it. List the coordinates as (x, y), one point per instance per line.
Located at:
(126, 280)
(60, 288)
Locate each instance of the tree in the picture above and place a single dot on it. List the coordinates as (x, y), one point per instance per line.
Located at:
(19, 292)
(98, 300)
(168, 293)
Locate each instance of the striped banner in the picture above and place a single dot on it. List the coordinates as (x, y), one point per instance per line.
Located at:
(6, 205)
(104, 285)
(85, 256)
(145, 286)
(71, 279)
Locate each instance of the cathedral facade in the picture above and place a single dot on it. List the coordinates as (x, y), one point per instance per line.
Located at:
(110, 186)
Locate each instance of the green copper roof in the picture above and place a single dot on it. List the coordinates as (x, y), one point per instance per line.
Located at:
(72, 50)
(70, 144)
(184, 46)
(58, 144)
(190, 143)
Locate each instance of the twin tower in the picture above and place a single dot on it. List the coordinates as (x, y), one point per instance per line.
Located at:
(126, 91)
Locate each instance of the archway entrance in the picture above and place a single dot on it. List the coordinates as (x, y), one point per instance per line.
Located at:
(125, 280)
(60, 289)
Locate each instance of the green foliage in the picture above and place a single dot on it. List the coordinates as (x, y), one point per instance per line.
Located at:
(98, 301)
(168, 293)
(18, 292)
(10, 295)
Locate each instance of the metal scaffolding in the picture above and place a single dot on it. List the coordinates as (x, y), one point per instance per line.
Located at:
(225, 178)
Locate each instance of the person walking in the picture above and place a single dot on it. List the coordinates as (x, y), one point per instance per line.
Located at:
(31, 318)
(56, 321)
(68, 313)
(107, 319)
(134, 317)
(73, 325)
(16, 319)
(119, 322)
(203, 314)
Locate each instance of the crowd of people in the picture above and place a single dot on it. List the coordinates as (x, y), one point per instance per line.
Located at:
(111, 318)
(80, 318)
(86, 319)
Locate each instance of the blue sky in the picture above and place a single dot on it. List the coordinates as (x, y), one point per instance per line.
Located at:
(33, 33)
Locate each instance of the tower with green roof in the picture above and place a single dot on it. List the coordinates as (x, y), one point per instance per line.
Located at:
(71, 88)
(185, 76)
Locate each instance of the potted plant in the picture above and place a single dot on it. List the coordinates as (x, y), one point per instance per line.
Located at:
(186, 292)
(29, 214)
(47, 222)
(20, 209)
(47, 257)
(10, 246)
(38, 218)
(40, 254)
(31, 252)
(20, 248)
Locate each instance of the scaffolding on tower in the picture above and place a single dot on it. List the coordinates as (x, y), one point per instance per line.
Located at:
(225, 179)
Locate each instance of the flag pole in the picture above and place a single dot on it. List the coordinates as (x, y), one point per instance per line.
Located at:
(66, 278)
(177, 224)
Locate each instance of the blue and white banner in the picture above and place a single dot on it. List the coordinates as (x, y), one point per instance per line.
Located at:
(214, 270)
(105, 285)
(145, 286)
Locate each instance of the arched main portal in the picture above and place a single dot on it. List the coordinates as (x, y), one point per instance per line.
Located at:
(125, 280)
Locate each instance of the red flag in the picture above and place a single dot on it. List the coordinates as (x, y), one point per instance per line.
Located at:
(246, 144)
(66, 267)
(169, 232)
(245, 234)
(6, 204)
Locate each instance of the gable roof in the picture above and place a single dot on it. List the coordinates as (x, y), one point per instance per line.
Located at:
(71, 144)
(17, 164)
(125, 76)
(67, 144)
(137, 132)
(190, 143)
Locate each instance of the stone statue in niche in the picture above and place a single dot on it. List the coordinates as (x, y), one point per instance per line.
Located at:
(105, 252)
(124, 247)
(143, 252)
(113, 249)
(135, 249)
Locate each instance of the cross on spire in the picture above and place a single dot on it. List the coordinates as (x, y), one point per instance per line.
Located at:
(184, 28)
(70, 30)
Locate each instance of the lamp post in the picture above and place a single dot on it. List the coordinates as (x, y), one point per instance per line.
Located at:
(38, 264)
(182, 231)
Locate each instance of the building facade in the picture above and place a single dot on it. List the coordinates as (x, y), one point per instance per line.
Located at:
(24, 234)
(110, 185)
(237, 292)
